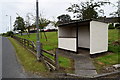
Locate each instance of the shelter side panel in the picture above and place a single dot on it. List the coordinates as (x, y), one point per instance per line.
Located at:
(67, 44)
(98, 37)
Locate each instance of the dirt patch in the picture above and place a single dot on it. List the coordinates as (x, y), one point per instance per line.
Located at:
(100, 63)
(116, 43)
(101, 54)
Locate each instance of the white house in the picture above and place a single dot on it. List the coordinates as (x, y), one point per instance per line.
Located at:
(50, 26)
(88, 34)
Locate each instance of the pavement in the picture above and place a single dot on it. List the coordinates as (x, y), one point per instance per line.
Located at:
(83, 63)
(11, 68)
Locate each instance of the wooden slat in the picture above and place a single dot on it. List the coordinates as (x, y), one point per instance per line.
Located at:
(48, 53)
(52, 68)
(49, 60)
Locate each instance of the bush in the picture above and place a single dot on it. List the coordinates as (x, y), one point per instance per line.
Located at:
(117, 26)
(111, 26)
(9, 33)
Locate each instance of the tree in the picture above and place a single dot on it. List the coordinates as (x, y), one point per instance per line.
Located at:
(116, 13)
(86, 10)
(9, 33)
(19, 24)
(28, 22)
(54, 22)
(43, 22)
(64, 18)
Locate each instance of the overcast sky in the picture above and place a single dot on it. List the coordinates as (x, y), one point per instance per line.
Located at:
(49, 8)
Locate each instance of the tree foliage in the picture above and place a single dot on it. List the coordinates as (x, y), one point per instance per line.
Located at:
(19, 24)
(43, 22)
(9, 33)
(64, 18)
(27, 21)
(86, 10)
(55, 23)
(116, 13)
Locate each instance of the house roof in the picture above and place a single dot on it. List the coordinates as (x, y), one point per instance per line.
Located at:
(78, 22)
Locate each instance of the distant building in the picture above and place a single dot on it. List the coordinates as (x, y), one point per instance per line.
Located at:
(50, 26)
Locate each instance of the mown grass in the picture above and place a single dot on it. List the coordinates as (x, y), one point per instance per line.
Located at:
(113, 55)
(50, 44)
(113, 36)
(64, 62)
(28, 60)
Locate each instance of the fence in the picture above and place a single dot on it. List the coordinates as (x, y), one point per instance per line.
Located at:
(50, 59)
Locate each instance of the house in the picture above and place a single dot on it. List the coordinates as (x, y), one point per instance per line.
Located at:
(31, 28)
(87, 34)
(50, 26)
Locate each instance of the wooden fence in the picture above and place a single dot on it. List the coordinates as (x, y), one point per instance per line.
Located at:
(50, 59)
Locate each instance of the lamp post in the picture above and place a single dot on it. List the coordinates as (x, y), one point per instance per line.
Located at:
(38, 38)
(10, 28)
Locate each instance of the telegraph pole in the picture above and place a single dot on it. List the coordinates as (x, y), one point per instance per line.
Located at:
(38, 38)
(10, 27)
(10, 24)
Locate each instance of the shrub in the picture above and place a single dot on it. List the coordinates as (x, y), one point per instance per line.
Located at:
(111, 26)
(9, 33)
(117, 26)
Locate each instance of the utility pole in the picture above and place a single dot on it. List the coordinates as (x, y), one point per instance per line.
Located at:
(10, 27)
(10, 24)
(38, 38)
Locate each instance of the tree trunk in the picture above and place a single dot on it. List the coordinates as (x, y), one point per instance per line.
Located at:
(28, 34)
(45, 36)
(21, 33)
(41, 35)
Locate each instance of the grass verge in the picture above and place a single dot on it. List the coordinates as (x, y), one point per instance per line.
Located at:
(27, 60)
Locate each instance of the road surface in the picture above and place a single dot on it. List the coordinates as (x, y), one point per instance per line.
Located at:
(10, 65)
(0, 57)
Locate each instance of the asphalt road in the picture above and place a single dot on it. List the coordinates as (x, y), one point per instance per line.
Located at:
(0, 57)
(10, 65)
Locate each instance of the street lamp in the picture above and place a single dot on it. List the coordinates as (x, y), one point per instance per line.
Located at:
(10, 23)
(38, 38)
